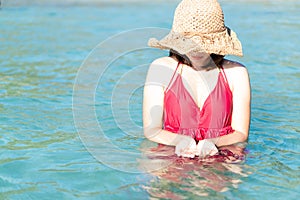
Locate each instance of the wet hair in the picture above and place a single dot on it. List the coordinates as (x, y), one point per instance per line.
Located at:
(218, 59)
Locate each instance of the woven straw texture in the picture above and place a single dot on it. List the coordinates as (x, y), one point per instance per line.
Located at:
(198, 25)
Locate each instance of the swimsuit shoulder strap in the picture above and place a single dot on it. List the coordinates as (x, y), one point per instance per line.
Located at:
(223, 73)
(171, 80)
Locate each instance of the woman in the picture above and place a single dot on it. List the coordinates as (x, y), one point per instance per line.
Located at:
(195, 99)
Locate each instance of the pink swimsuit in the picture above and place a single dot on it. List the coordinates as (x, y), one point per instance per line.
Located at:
(183, 116)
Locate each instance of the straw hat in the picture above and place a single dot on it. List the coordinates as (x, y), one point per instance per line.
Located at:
(198, 25)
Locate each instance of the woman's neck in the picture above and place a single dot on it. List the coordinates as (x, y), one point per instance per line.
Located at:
(209, 66)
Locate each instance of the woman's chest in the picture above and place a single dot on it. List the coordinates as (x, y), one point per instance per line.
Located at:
(200, 85)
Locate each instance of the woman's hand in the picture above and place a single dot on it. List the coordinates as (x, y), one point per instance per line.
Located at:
(186, 148)
(205, 148)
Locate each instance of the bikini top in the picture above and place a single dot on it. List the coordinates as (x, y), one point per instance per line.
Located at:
(183, 116)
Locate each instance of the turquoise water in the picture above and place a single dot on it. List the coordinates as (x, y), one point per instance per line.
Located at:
(42, 156)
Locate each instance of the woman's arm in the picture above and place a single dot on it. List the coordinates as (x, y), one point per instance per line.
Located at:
(241, 92)
(153, 117)
(158, 77)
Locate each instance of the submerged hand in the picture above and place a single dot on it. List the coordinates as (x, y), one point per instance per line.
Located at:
(186, 148)
(205, 148)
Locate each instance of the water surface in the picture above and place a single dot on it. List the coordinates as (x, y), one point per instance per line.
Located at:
(41, 154)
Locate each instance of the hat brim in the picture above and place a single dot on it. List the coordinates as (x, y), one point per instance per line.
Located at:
(221, 43)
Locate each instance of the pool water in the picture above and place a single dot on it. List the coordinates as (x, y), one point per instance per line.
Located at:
(51, 146)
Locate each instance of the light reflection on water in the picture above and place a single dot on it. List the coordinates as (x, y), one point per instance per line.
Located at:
(41, 155)
(185, 178)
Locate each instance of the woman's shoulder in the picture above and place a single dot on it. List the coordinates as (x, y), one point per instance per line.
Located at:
(236, 72)
(163, 67)
(166, 61)
(161, 70)
(233, 68)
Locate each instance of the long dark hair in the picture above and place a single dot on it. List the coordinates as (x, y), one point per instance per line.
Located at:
(218, 59)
